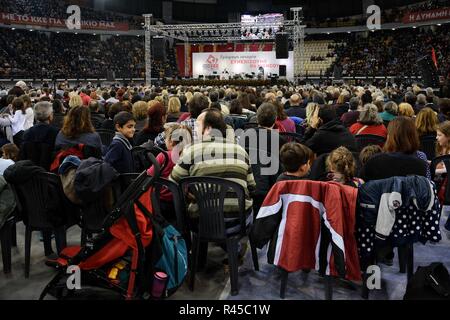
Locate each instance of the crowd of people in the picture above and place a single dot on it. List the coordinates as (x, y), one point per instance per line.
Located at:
(25, 54)
(58, 9)
(386, 53)
(392, 15)
(308, 132)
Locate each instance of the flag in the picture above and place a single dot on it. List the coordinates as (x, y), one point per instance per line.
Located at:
(433, 56)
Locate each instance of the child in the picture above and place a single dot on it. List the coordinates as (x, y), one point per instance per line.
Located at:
(176, 138)
(368, 152)
(119, 152)
(296, 160)
(18, 120)
(10, 156)
(342, 167)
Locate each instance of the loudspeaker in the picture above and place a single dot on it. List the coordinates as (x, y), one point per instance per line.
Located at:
(428, 72)
(282, 46)
(159, 48)
(282, 70)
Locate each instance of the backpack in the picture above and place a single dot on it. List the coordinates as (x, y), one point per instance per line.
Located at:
(168, 252)
(429, 283)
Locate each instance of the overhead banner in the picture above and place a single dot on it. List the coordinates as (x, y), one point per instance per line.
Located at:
(419, 16)
(241, 63)
(13, 18)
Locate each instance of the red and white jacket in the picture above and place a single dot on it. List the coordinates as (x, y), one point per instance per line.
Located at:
(310, 225)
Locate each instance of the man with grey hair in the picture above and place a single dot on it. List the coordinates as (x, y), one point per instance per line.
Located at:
(351, 117)
(39, 140)
(296, 108)
(421, 102)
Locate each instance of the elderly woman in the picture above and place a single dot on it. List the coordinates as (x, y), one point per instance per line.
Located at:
(369, 122)
(140, 110)
(390, 112)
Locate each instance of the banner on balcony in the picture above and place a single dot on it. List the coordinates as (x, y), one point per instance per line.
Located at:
(419, 16)
(13, 18)
(242, 64)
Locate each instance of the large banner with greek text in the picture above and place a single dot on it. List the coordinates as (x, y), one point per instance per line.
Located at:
(13, 18)
(241, 63)
(419, 16)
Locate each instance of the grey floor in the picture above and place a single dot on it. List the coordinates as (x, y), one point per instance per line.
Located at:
(212, 283)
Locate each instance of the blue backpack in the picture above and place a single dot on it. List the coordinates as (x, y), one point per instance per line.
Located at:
(168, 252)
(173, 260)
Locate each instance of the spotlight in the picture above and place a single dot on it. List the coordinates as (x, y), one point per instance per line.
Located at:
(439, 24)
(414, 27)
(13, 29)
(393, 29)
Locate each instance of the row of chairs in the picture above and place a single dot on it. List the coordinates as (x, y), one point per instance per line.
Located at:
(210, 194)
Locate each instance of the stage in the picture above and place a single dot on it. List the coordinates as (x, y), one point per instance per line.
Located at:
(231, 82)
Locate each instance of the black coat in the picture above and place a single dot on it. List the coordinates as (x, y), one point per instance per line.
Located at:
(93, 175)
(329, 137)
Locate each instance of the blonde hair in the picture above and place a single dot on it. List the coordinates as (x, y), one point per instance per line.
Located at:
(75, 101)
(405, 109)
(180, 135)
(341, 160)
(188, 96)
(140, 110)
(310, 109)
(174, 105)
(426, 121)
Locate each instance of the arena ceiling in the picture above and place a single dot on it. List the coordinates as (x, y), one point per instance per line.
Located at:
(222, 10)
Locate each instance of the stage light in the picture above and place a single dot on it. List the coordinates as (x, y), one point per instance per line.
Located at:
(348, 32)
(13, 29)
(439, 24)
(393, 29)
(414, 27)
(31, 30)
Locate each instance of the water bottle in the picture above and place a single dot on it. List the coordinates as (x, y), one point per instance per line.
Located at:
(159, 284)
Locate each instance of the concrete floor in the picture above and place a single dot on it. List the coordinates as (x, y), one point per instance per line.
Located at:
(212, 283)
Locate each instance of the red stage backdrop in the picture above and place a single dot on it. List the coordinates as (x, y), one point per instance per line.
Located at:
(223, 47)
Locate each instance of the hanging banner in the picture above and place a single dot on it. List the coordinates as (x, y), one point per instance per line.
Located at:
(13, 18)
(419, 16)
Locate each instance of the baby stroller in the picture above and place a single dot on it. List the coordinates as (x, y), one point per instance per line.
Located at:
(118, 258)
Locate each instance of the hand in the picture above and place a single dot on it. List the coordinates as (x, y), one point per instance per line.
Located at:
(315, 122)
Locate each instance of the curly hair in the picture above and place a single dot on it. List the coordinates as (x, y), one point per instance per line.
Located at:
(341, 160)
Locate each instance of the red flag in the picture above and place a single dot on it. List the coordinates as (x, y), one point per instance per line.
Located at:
(433, 56)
